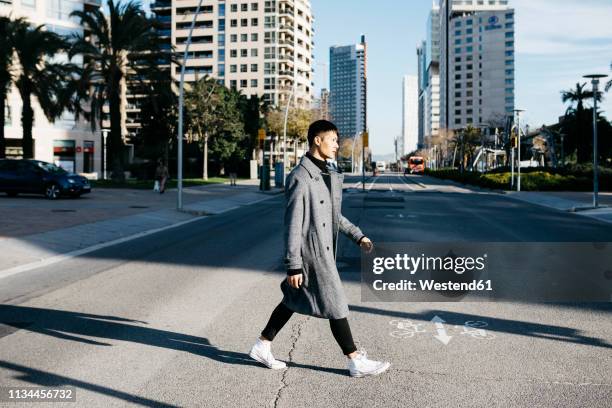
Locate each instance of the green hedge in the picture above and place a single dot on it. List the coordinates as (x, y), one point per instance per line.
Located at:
(530, 181)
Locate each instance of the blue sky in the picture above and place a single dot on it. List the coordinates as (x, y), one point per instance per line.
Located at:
(557, 41)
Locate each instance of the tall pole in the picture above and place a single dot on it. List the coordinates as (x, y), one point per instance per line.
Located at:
(285, 125)
(363, 147)
(518, 147)
(179, 150)
(353, 168)
(595, 81)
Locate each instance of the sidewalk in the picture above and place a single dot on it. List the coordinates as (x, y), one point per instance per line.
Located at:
(39, 232)
(570, 201)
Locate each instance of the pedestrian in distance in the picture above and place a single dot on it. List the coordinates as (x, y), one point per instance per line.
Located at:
(312, 220)
(161, 175)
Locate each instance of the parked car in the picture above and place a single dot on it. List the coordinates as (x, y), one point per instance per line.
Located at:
(38, 177)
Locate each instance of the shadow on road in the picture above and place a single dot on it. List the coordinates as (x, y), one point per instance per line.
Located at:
(538, 330)
(47, 379)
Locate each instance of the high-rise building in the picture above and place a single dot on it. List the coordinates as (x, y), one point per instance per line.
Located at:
(258, 47)
(476, 62)
(321, 108)
(422, 91)
(431, 114)
(67, 142)
(348, 88)
(410, 113)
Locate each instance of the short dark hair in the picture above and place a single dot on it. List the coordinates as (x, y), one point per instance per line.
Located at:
(319, 126)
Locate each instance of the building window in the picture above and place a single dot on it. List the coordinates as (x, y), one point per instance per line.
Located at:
(457, 103)
(509, 81)
(244, 22)
(457, 50)
(509, 16)
(253, 83)
(254, 37)
(457, 41)
(469, 66)
(457, 24)
(457, 67)
(221, 10)
(254, 6)
(244, 37)
(253, 52)
(509, 43)
(233, 22)
(457, 111)
(233, 53)
(509, 72)
(243, 83)
(469, 22)
(234, 38)
(457, 121)
(234, 8)
(233, 68)
(457, 76)
(458, 94)
(469, 112)
(244, 7)
(510, 25)
(457, 32)
(509, 62)
(269, 22)
(254, 22)
(457, 59)
(509, 53)
(509, 90)
(469, 49)
(243, 68)
(253, 67)
(469, 40)
(469, 31)
(510, 34)
(221, 69)
(244, 52)
(221, 54)
(233, 84)
(509, 99)
(457, 85)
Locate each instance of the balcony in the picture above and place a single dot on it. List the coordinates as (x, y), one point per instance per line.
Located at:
(286, 28)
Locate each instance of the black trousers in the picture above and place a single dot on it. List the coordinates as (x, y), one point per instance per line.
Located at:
(339, 327)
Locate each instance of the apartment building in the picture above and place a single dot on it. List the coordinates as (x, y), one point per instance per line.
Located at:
(259, 47)
(476, 62)
(348, 88)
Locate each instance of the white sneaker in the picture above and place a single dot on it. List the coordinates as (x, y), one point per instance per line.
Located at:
(262, 353)
(361, 366)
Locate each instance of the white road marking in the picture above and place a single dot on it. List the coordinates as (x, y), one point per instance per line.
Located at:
(441, 336)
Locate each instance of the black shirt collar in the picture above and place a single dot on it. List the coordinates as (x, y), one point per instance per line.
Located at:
(321, 164)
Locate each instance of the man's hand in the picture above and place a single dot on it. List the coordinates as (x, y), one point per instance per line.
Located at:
(366, 244)
(295, 280)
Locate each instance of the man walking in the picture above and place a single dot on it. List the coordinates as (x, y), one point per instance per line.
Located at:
(312, 221)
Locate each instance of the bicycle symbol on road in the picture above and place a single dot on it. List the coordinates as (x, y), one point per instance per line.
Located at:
(471, 328)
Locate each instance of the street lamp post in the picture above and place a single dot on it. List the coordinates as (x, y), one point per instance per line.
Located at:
(353, 153)
(104, 136)
(595, 81)
(518, 147)
(285, 125)
(179, 173)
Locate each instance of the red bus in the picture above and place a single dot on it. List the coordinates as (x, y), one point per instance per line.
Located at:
(416, 164)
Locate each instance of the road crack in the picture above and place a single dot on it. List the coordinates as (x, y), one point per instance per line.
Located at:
(296, 332)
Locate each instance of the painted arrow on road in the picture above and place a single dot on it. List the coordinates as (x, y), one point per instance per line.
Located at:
(441, 336)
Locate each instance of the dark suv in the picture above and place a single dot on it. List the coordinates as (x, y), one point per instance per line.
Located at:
(38, 177)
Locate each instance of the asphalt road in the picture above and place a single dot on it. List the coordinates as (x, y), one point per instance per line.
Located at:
(168, 319)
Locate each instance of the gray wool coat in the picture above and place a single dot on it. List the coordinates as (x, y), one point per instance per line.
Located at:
(312, 222)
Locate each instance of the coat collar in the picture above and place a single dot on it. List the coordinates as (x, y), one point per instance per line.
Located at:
(314, 171)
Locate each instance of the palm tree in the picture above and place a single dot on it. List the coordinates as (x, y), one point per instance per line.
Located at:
(39, 76)
(577, 96)
(120, 43)
(7, 29)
